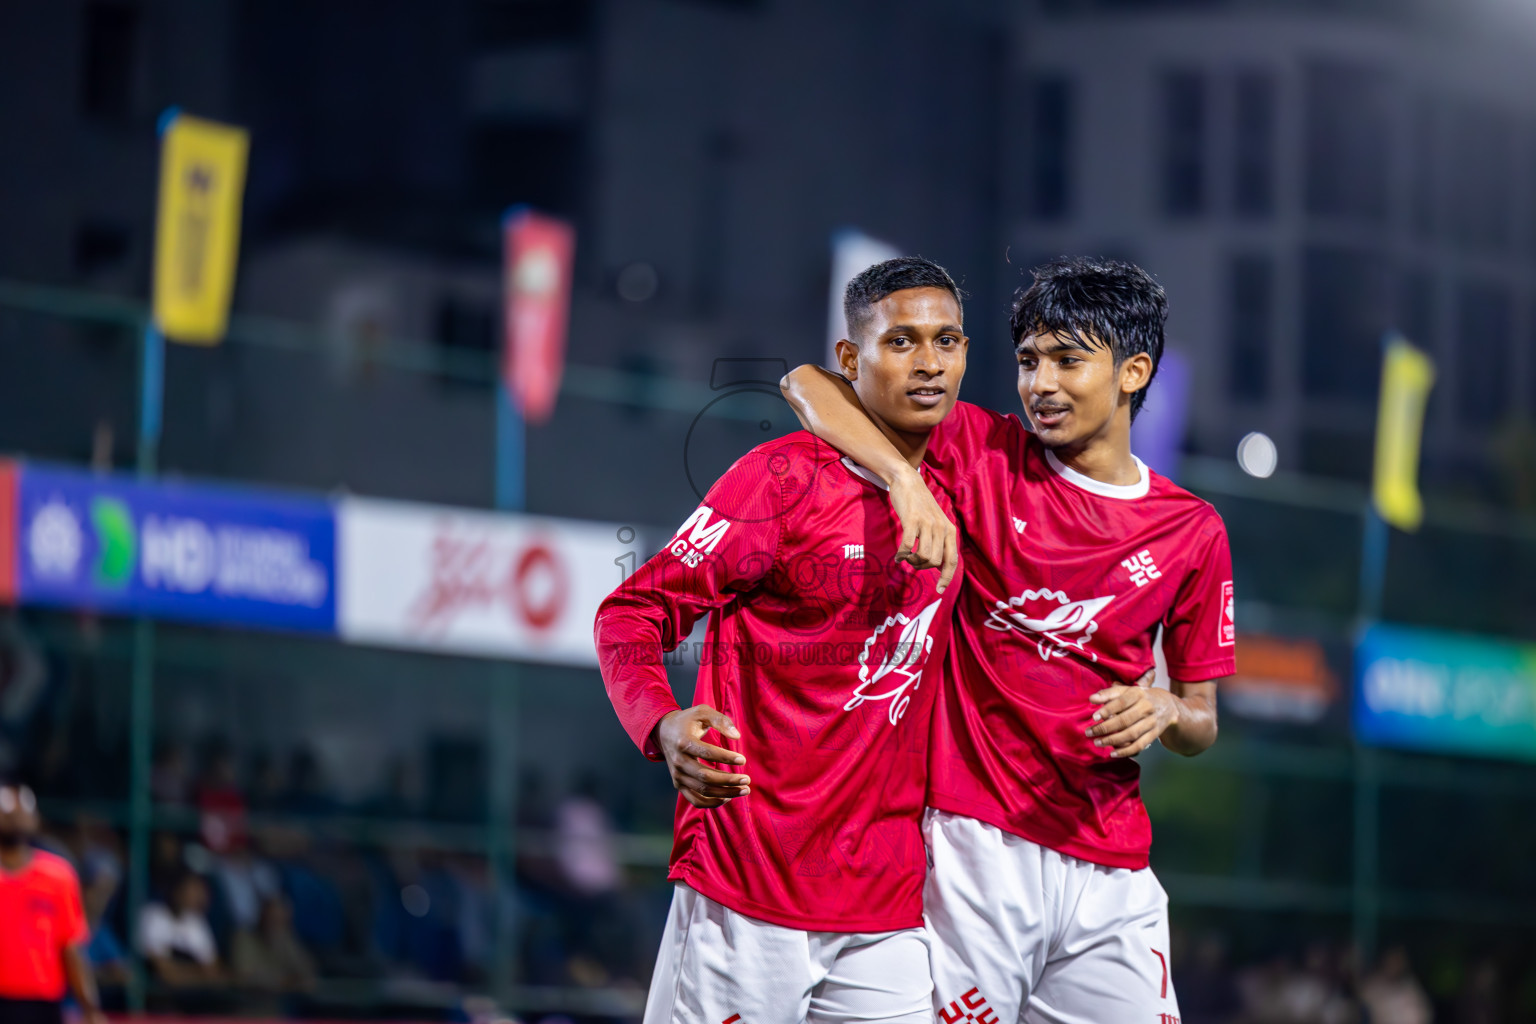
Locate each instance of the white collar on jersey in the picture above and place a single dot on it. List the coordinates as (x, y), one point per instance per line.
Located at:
(1125, 492)
(864, 474)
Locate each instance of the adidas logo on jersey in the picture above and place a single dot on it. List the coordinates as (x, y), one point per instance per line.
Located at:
(1018, 525)
(853, 550)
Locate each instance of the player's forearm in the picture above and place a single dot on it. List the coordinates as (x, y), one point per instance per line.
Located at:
(630, 658)
(1195, 729)
(82, 982)
(828, 408)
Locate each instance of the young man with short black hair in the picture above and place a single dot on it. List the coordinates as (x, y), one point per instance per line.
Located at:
(1040, 900)
(799, 886)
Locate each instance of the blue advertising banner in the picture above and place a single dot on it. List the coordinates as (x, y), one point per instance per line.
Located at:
(1420, 689)
(175, 551)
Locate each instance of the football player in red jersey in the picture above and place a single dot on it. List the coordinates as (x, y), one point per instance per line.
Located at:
(798, 854)
(1040, 900)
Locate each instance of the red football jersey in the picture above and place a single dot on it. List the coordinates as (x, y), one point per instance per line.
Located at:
(1067, 581)
(41, 914)
(825, 652)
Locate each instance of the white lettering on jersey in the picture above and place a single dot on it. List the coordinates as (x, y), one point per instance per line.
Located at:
(703, 536)
(1142, 569)
(1060, 626)
(903, 660)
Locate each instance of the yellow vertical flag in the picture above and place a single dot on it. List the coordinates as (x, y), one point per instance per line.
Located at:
(1407, 374)
(197, 230)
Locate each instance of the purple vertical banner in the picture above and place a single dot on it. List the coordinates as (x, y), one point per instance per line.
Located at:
(1157, 435)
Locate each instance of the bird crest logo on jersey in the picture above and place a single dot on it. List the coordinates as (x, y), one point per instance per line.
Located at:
(902, 656)
(1061, 624)
(703, 536)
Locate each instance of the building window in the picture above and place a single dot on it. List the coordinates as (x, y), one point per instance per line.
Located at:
(1250, 319)
(109, 63)
(1480, 176)
(1253, 134)
(1183, 143)
(1346, 308)
(1348, 142)
(1483, 322)
(1416, 309)
(1425, 169)
(1050, 110)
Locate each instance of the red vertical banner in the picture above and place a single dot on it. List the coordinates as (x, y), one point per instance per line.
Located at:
(9, 524)
(539, 254)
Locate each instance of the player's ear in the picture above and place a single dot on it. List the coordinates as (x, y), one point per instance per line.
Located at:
(1135, 373)
(848, 359)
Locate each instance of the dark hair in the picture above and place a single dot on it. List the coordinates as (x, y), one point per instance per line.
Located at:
(874, 283)
(1097, 302)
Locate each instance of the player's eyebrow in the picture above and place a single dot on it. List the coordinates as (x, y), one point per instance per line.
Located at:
(1057, 345)
(910, 329)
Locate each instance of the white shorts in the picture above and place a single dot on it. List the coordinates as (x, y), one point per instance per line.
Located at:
(1023, 933)
(720, 967)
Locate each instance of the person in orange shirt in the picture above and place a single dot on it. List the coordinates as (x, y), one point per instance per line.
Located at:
(43, 932)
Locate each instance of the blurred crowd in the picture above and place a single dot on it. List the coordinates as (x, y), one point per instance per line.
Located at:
(1326, 984)
(262, 904)
(273, 886)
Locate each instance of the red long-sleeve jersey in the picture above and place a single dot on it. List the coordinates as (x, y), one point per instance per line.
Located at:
(826, 653)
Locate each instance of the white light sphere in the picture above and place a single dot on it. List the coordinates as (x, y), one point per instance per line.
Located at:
(1256, 454)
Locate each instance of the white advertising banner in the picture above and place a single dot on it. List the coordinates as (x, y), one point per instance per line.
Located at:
(462, 582)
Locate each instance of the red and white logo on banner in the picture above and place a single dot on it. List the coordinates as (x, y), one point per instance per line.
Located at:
(540, 252)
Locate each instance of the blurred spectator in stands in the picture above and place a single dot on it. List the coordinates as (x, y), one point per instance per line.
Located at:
(23, 688)
(101, 877)
(600, 925)
(401, 794)
(170, 780)
(1314, 994)
(269, 957)
(220, 802)
(167, 863)
(307, 793)
(1392, 994)
(176, 939)
(43, 929)
(100, 851)
(268, 783)
(246, 882)
(1207, 991)
(1480, 1001)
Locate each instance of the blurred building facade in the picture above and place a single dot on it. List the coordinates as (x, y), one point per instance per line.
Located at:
(1304, 178)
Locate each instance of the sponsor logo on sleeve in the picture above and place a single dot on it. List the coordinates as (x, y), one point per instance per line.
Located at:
(703, 536)
(1226, 632)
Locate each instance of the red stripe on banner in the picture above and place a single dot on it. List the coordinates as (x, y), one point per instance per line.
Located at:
(8, 527)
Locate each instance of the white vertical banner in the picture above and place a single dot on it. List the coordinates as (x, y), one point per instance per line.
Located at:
(852, 251)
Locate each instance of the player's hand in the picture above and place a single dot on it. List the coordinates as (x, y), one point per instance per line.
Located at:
(680, 737)
(1131, 718)
(928, 538)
